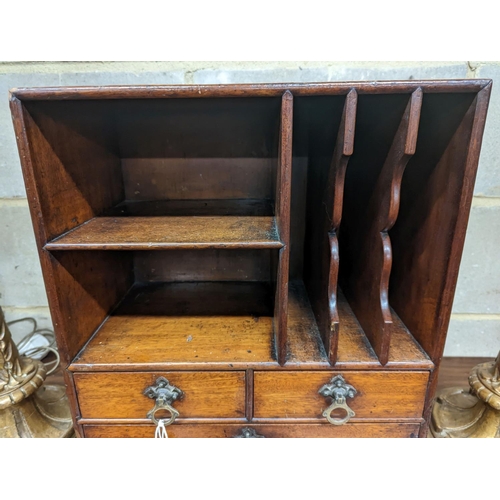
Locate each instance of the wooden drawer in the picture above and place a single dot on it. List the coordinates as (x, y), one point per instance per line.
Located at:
(379, 394)
(120, 395)
(360, 430)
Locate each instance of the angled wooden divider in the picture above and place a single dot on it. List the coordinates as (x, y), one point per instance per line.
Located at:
(324, 272)
(282, 210)
(367, 286)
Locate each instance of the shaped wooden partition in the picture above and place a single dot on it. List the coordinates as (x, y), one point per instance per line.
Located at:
(367, 288)
(323, 247)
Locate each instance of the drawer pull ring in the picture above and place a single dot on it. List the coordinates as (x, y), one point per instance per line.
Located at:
(248, 432)
(339, 391)
(164, 395)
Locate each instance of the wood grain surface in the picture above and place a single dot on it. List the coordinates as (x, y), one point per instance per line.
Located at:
(71, 172)
(162, 233)
(324, 209)
(431, 235)
(380, 394)
(283, 201)
(84, 288)
(355, 350)
(367, 287)
(203, 171)
(255, 89)
(247, 264)
(228, 325)
(185, 207)
(381, 430)
(151, 179)
(120, 395)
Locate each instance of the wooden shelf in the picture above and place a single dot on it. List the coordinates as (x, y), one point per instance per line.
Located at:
(181, 324)
(164, 233)
(228, 325)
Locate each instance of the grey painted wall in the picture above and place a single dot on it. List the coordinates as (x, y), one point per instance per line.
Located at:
(475, 325)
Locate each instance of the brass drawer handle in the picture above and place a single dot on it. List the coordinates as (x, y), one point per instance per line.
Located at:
(339, 391)
(248, 432)
(164, 395)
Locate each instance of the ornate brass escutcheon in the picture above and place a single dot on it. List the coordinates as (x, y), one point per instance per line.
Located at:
(248, 432)
(339, 391)
(164, 395)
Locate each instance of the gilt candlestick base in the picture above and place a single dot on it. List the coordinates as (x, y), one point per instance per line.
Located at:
(27, 407)
(472, 412)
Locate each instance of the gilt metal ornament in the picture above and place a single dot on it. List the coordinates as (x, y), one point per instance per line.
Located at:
(28, 408)
(339, 390)
(472, 412)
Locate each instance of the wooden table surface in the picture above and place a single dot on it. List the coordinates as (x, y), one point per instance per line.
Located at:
(455, 371)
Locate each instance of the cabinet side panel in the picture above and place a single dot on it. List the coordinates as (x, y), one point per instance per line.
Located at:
(74, 167)
(85, 287)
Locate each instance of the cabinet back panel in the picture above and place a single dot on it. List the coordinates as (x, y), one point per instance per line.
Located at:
(198, 178)
(377, 121)
(198, 128)
(204, 265)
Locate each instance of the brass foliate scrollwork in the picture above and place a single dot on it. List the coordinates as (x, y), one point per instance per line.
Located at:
(164, 395)
(339, 391)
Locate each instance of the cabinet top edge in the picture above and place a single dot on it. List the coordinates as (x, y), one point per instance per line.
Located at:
(245, 90)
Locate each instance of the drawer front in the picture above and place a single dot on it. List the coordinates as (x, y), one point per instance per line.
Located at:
(120, 395)
(379, 394)
(359, 430)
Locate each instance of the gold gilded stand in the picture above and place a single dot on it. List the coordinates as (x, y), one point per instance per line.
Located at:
(28, 408)
(473, 412)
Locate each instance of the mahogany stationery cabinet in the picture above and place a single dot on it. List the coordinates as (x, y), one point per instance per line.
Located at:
(251, 260)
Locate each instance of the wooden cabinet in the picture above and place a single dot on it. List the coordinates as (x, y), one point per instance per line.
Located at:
(275, 260)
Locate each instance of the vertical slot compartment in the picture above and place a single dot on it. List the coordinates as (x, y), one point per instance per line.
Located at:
(429, 234)
(370, 213)
(325, 191)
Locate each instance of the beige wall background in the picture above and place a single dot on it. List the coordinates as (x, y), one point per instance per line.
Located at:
(475, 324)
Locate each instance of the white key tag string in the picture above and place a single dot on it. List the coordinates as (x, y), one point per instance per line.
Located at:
(161, 431)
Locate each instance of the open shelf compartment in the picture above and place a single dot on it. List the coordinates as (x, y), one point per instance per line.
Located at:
(224, 326)
(159, 158)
